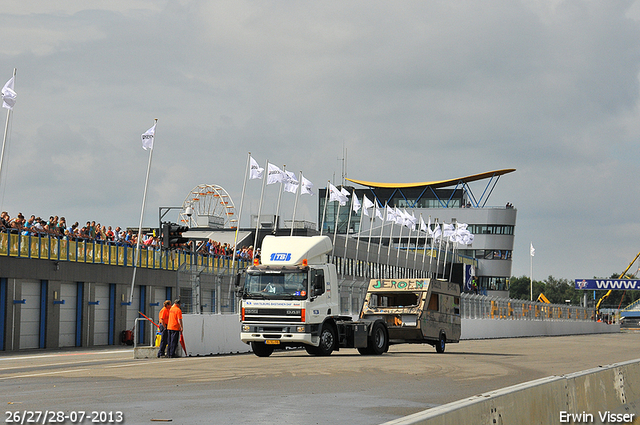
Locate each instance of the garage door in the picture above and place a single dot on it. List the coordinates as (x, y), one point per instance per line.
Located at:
(30, 315)
(101, 316)
(68, 293)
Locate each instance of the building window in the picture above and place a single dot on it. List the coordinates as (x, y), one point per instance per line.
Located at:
(493, 283)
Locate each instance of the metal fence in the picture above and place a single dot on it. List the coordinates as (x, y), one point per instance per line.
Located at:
(483, 307)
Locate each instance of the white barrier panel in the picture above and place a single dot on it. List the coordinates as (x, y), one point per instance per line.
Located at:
(206, 334)
(610, 394)
(497, 328)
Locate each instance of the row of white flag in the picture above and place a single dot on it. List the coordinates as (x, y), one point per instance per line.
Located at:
(457, 233)
(276, 175)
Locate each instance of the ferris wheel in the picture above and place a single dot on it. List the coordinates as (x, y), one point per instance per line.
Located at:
(208, 205)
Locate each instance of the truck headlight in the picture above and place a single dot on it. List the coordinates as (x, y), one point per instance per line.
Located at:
(300, 329)
(246, 328)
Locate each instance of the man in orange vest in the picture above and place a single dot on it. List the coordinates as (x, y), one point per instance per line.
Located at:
(175, 327)
(163, 321)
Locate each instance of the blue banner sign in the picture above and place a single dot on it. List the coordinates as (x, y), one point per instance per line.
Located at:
(606, 284)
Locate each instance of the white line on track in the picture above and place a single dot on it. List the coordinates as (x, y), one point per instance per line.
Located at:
(42, 374)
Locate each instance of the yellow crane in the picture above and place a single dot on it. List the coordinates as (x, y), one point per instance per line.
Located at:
(605, 296)
(543, 299)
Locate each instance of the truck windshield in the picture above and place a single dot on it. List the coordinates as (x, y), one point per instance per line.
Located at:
(279, 285)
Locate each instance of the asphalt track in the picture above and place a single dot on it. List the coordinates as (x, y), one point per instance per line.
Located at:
(291, 387)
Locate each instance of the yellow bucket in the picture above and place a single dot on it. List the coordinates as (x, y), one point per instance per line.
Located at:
(158, 339)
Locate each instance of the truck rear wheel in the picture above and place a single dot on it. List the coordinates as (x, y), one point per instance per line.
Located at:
(441, 343)
(378, 340)
(261, 349)
(327, 341)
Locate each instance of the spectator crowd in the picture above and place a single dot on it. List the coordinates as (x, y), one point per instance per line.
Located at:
(57, 227)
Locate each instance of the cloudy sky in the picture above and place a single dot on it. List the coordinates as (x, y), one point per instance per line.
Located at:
(411, 90)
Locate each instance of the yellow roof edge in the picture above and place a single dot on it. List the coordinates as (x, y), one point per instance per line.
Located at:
(440, 183)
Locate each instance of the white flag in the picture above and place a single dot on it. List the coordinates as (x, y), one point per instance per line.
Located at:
(532, 250)
(437, 232)
(429, 231)
(344, 191)
(291, 182)
(307, 187)
(423, 227)
(147, 138)
(255, 171)
(336, 195)
(448, 230)
(367, 204)
(275, 175)
(391, 215)
(356, 204)
(8, 95)
(399, 218)
(379, 214)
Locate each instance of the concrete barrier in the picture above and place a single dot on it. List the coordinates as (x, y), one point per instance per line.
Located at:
(207, 334)
(497, 328)
(608, 394)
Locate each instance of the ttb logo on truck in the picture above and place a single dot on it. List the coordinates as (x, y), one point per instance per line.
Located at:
(280, 256)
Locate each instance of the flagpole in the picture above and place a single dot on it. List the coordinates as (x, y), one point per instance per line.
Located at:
(324, 211)
(359, 229)
(415, 252)
(275, 225)
(144, 200)
(244, 186)
(381, 229)
(335, 230)
(531, 273)
(346, 235)
(432, 245)
(264, 179)
(6, 128)
(371, 220)
(390, 242)
(295, 203)
(406, 257)
(426, 237)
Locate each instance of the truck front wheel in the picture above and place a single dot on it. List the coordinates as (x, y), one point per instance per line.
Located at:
(327, 341)
(261, 349)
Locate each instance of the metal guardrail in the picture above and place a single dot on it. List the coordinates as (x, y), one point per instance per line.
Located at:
(45, 247)
(483, 307)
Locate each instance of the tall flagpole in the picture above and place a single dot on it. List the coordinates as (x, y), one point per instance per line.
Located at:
(6, 128)
(295, 204)
(244, 186)
(335, 230)
(324, 211)
(390, 242)
(531, 252)
(275, 225)
(264, 179)
(346, 234)
(384, 221)
(371, 221)
(144, 201)
(359, 229)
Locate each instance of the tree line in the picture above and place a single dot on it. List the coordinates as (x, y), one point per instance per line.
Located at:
(559, 291)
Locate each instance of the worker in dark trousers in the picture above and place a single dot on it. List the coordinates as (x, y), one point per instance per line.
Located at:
(163, 321)
(175, 327)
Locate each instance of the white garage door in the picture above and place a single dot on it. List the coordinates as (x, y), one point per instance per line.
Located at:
(30, 315)
(68, 293)
(101, 316)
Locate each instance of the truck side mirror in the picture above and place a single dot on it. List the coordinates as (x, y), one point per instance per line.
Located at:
(237, 281)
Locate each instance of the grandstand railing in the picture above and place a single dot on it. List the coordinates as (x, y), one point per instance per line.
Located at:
(45, 247)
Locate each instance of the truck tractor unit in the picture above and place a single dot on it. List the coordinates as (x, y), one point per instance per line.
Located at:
(292, 299)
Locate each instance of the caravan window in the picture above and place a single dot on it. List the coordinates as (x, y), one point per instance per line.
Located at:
(434, 302)
(393, 299)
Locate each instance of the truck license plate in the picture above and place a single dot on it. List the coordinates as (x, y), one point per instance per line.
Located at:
(272, 342)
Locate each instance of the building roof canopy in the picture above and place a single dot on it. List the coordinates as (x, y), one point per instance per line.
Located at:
(435, 184)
